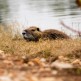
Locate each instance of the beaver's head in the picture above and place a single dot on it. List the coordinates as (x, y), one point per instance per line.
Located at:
(32, 33)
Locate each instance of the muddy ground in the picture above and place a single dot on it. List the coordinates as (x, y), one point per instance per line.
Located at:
(21, 68)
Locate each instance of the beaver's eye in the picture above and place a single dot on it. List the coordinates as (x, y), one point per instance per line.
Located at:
(33, 30)
(38, 29)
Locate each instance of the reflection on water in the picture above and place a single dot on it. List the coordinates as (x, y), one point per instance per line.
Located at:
(42, 13)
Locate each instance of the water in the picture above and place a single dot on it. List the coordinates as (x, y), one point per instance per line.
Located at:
(42, 13)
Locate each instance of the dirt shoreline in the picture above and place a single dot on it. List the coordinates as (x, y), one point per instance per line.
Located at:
(15, 68)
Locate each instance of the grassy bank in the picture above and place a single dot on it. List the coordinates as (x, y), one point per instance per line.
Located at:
(18, 46)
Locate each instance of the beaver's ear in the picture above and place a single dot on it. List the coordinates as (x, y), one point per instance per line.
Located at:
(38, 29)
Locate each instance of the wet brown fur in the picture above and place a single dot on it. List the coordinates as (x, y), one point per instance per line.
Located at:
(47, 34)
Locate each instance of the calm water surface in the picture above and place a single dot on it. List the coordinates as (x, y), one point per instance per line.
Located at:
(42, 13)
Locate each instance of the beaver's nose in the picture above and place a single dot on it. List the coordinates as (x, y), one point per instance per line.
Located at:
(23, 32)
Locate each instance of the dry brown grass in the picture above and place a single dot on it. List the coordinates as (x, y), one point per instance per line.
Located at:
(17, 46)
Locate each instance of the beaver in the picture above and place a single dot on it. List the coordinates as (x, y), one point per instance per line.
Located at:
(34, 33)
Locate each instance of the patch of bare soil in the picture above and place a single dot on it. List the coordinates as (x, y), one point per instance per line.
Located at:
(20, 68)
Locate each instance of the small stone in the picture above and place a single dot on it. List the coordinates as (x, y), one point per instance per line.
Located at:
(51, 79)
(43, 60)
(61, 65)
(5, 78)
(1, 52)
(54, 72)
(77, 61)
(30, 63)
(2, 55)
(62, 58)
(38, 62)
